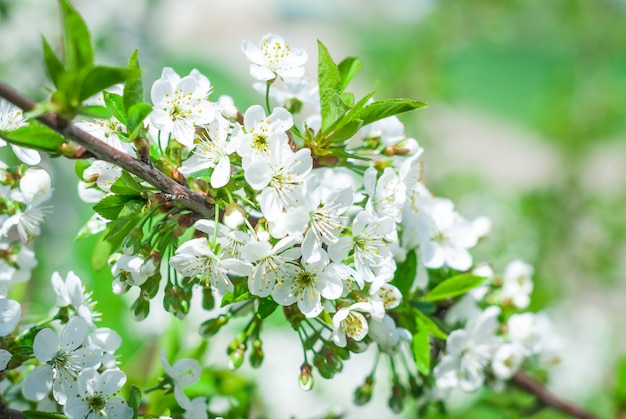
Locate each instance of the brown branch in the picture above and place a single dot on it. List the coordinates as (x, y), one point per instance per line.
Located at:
(548, 399)
(102, 151)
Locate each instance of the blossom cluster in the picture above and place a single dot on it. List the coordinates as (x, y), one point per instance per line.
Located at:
(314, 211)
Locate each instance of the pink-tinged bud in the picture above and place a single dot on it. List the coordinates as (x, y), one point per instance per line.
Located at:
(305, 379)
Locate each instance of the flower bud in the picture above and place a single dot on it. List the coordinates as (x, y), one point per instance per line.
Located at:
(320, 364)
(231, 113)
(208, 300)
(235, 359)
(363, 393)
(140, 309)
(256, 353)
(305, 379)
(212, 326)
(398, 394)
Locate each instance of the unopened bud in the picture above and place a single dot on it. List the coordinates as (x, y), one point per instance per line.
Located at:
(208, 300)
(231, 113)
(398, 394)
(320, 364)
(256, 353)
(305, 379)
(363, 393)
(235, 359)
(140, 309)
(132, 242)
(212, 326)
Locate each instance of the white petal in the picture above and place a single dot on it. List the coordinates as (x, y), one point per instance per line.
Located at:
(5, 357)
(74, 333)
(111, 381)
(45, 345)
(10, 311)
(38, 383)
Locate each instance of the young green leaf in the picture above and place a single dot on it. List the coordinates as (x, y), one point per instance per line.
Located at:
(99, 112)
(136, 114)
(385, 108)
(420, 347)
(99, 78)
(35, 136)
(54, 66)
(424, 321)
(110, 206)
(329, 81)
(454, 286)
(134, 399)
(35, 414)
(266, 307)
(133, 89)
(115, 103)
(126, 185)
(76, 39)
(347, 70)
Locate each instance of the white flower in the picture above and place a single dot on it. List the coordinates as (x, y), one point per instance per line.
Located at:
(271, 264)
(261, 133)
(196, 409)
(183, 373)
(517, 284)
(133, 269)
(10, 312)
(72, 292)
(104, 174)
(349, 322)
(444, 236)
(468, 352)
(108, 340)
(280, 179)
(35, 182)
(273, 57)
(212, 151)
(387, 195)
(95, 398)
(63, 359)
(387, 335)
(180, 104)
(308, 285)
(195, 257)
(507, 360)
(11, 118)
(27, 221)
(524, 330)
(372, 256)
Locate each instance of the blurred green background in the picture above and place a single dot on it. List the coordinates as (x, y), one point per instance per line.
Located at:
(525, 125)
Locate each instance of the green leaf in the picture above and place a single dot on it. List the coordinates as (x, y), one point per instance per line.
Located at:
(325, 317)
(385, 108)
(405, 273)
(133, 89)
(454, 286)
(420, 347)
(35, 136)
(424, 321)
(136, 114)
(80, 166)
(329, 81)
(76, 39)
(266, 307)
(110, 206)
(347, 70)
(134, 399)
(126, 185)
(101, 252)
(115, 103)
(99, 112)
(54, 66)
(346, 131)
(34, 414)
(99, 78)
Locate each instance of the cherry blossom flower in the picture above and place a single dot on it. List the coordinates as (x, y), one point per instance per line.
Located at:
(15, 266)
(517, 284)
(272, 264)
(444, 236)
(180, 104)
(183, 373)
(308, 284)
(468, 352)
(212, 151)
(63, 359)
(71, 292)
(195, 257)
(134, 270)
(348, 321)
(10, 312)
(387, 195)
(273, 57)
(95, 396)
(261, 134)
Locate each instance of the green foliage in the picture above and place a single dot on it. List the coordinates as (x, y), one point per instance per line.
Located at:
(134, 399)
(266, 307)
(35, 414)
(420, 347)
(405, 273)
(454, 286)
(35, 136)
